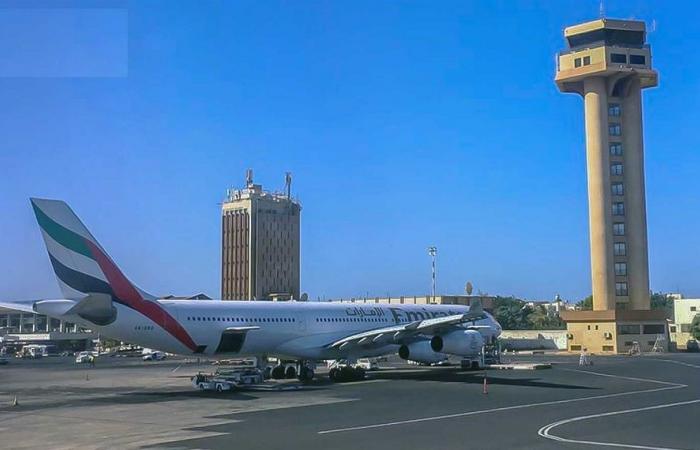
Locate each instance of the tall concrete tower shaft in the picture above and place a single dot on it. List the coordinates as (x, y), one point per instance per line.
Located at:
(608, 63)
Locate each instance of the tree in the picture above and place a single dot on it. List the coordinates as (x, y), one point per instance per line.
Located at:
(586, 304)
(695, 327)
(662, 301)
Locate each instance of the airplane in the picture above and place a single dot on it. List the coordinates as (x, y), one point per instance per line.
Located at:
(97, 295)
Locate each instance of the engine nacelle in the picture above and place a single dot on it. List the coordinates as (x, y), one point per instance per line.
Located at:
(420, 352)
(459, 342)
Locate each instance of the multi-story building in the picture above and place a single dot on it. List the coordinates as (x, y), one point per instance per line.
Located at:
(684, 311)
(260, 255)
(608, 63)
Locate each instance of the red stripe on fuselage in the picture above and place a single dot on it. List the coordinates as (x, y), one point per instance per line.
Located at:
(127, 293)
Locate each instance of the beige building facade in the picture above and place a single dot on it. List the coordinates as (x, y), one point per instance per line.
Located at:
(615, 331)
(608, 63)
(260, 244)
(684, 311)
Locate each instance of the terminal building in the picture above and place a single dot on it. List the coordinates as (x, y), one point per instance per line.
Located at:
(260, 238)
(19, 328)
(608, 63)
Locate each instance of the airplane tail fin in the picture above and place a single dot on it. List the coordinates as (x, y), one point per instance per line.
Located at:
(82, 266)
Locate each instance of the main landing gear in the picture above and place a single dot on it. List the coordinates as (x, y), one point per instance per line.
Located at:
(342, 374)
(301, 370)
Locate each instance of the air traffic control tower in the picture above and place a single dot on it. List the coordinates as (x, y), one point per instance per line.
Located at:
(608, 63)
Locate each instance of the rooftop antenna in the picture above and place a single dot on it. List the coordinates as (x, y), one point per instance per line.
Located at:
(601, 9)
(288, 184)
(249, 177)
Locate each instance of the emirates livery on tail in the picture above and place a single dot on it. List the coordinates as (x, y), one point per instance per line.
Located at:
(98, 296)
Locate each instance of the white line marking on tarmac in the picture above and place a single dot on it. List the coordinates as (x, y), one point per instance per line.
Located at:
(545, 430)
(694, 366)
(669, 386)
(645, 380)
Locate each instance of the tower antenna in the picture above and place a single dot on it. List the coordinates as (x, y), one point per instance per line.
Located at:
(601, 9)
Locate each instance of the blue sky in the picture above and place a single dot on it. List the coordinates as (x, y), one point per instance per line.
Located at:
(405, 124)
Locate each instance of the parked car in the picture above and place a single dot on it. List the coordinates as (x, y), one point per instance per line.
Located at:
(692, 346)
(154, 356)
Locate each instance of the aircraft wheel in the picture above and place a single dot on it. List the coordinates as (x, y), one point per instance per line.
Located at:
(290, 372)
(333, 374)
(305, 374)
(278, 372)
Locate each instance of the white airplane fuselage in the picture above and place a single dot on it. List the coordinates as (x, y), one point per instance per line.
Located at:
(301, 330)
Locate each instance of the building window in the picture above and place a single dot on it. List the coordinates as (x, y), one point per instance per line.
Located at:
(608, 348)
(621, 289)
(577, 62)
(621, 269)
(618, 58)
(672, 328)
(619, 229)
(614, 109)
(614, 129)
(618, 209)
(693, 308)
(628, 329)
(616, 149)
(616, 169)
(654, 329)
(637, 59)
(685, 328)
(587, 60)
(575, 347)
(620, 249)
(618, 189)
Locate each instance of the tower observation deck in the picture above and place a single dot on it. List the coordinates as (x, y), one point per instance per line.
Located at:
(608, 63)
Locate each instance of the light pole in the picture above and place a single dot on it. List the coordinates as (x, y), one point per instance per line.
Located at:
(432, 251)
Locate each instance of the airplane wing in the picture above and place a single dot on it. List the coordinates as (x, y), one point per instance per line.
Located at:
(406, 332)
(25, 306)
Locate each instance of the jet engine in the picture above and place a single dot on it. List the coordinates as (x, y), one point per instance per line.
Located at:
(420, 352)
(459, 342)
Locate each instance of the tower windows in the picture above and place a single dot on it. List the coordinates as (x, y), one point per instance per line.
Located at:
(618, 209)
(621, 269)
(614, 129)
(586, 61)
(619, 229)
(614, 110)
(616, 149)
(616, 169)
(621, 289)
(618, 189)
(638, 59)
(618, 58)
(620, 249)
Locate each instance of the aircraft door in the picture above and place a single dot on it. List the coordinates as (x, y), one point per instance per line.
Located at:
(301, 322)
